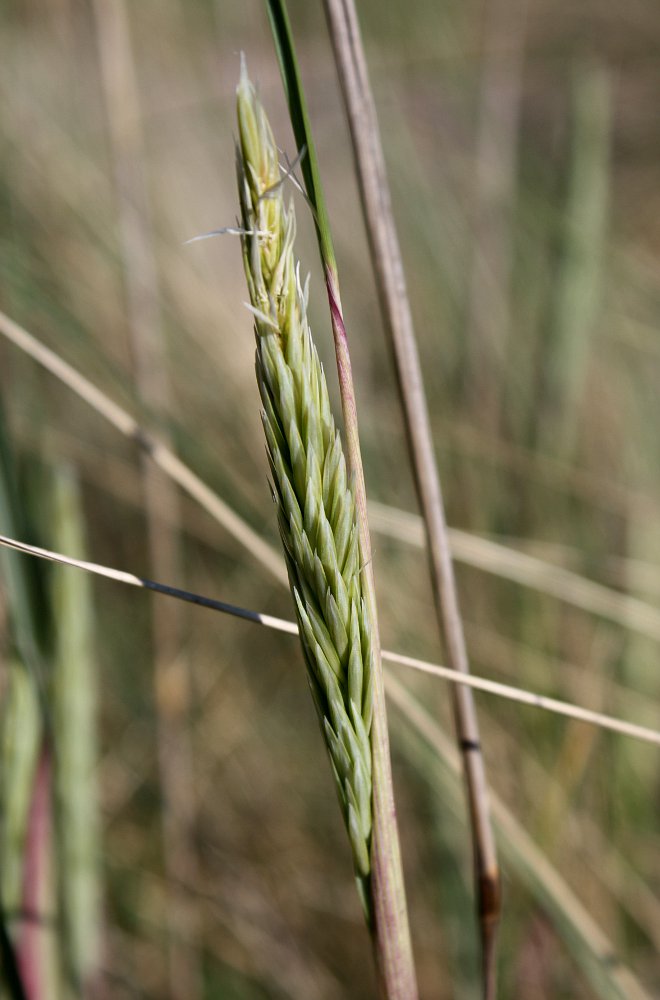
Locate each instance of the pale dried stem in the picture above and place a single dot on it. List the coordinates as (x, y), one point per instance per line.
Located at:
(158, 452)
(509, 563)
(388, 266)
(394, 956)
(572, 711)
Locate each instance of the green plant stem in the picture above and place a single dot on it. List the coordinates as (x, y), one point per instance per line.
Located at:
(393, 948)
(73, 693)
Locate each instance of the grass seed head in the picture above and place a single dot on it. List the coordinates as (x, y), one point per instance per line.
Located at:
(316, 507)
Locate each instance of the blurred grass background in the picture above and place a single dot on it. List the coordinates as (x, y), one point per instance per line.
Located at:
(523, 155)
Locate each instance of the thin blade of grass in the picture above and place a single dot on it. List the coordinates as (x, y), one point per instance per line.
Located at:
(132, 580)
(26, 754)
(393, 948)
(74, 731)
(282, 625)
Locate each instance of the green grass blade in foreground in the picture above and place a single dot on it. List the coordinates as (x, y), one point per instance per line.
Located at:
(74, 729)
(302, 130)
(393, 948)
(590, 948)
(26, 883)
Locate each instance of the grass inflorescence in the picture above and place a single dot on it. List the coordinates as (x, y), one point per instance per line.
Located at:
(314, 497)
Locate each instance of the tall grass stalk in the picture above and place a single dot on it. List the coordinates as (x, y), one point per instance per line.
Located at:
(394, 948)
(388, 268)
(74, 700)
(325, 550)
(170, 668)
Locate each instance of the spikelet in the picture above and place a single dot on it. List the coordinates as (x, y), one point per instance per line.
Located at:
(315, 503)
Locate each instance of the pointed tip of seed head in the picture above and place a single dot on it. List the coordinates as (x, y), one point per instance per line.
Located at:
(243, 79)
(245, 87)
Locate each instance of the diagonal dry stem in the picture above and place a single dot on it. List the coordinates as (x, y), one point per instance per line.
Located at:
(159, 453)
(482, 553)
(509, 563)
(520, 695)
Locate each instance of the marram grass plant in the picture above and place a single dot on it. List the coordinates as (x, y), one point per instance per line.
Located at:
(315, 501)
